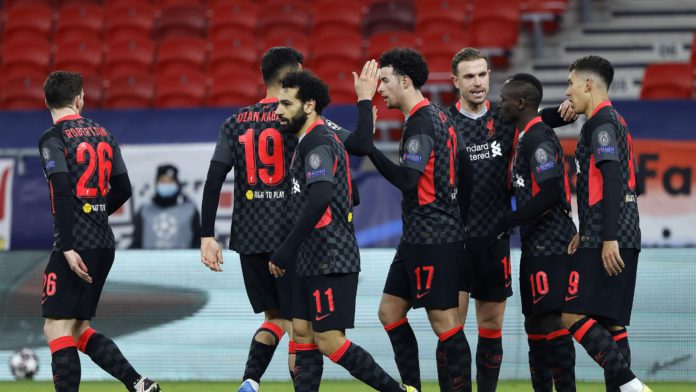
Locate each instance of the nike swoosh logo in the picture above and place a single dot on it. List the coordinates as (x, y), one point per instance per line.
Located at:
(319, 318)
(567, 298)
(419, 296)
(538, 299)
(508, 284)
(43, 300)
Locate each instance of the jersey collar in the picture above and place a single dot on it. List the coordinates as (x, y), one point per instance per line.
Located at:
(269, 100)
(68, 118)
(531, 123)
(599, 107)
(473, 116)
(319, 121)
(419, 105)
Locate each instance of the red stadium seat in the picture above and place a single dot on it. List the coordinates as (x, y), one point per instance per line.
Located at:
(181, 53)
(440, 47)
(84, 57)
(28, 21)
(668, 81)
(229, 19)
(94, 91)
(285, 17)
(79, 20)
(433, 14)
(234, 89)
(175, 3)
(346, 50)
(496, 24)
(129, 21)
(26, 57)
(298, 41)
(380, 43)
(183, 21)
(389, 15)
(181, 89)
(340, 81)
(131, 91)
(93, 41)
(329, 18)
(23, 93)
(693, 51)
(242, 50)
(127, 57)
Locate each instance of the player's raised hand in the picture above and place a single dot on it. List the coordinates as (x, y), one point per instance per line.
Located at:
(567, 112)
(574, 244)
(77, 265)
(611, 258)
(366, 83)
(275, 270)
(211, 254)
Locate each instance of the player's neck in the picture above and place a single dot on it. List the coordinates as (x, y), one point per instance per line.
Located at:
(311, 119)
(411, 100)
(524, 119)
(595, 99)
(272, 91)
(57, 114)
(471, 108)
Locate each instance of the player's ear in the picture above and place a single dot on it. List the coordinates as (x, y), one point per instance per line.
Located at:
(309, 106)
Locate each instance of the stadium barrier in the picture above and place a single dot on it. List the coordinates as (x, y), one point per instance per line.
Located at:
(174, 319)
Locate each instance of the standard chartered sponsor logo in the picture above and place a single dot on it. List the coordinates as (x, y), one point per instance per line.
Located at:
(479, 152)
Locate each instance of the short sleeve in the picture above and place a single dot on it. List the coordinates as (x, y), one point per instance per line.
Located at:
(118, 166)
(53, 156)
(318, 164)
(342, 133)
(604, 143)
(542, 162)
(223, 148)
(418, 143)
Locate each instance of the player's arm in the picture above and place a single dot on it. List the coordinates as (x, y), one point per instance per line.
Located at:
(220, 164)
(359, 142)
(558, 116)
(418, 145)
(549, 177)
(320, 182)
(120, 187)
(605, 150)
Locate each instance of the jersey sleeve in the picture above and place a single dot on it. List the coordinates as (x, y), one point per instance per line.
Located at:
(52, 151)
(418, 144)
(319, 163)
(223, 151)
(604, 143)
(542, 161)
(342, 133)
(118, 165)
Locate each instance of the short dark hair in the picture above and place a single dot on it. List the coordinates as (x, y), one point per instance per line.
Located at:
(597, 65)
(406, 62)
(61, 88)
(466, 54)
(529, 87)
(309, 87)
(276, 59)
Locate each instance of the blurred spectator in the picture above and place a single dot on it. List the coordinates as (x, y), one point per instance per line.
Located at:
(171, 221)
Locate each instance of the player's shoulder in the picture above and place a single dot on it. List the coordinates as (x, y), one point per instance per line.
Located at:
(51, 133)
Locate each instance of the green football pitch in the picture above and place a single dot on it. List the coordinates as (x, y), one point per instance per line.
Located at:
(329, 386)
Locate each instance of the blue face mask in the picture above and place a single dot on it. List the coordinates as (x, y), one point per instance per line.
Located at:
(167, 189)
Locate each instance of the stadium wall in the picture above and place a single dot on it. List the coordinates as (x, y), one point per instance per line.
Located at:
(174, 319)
